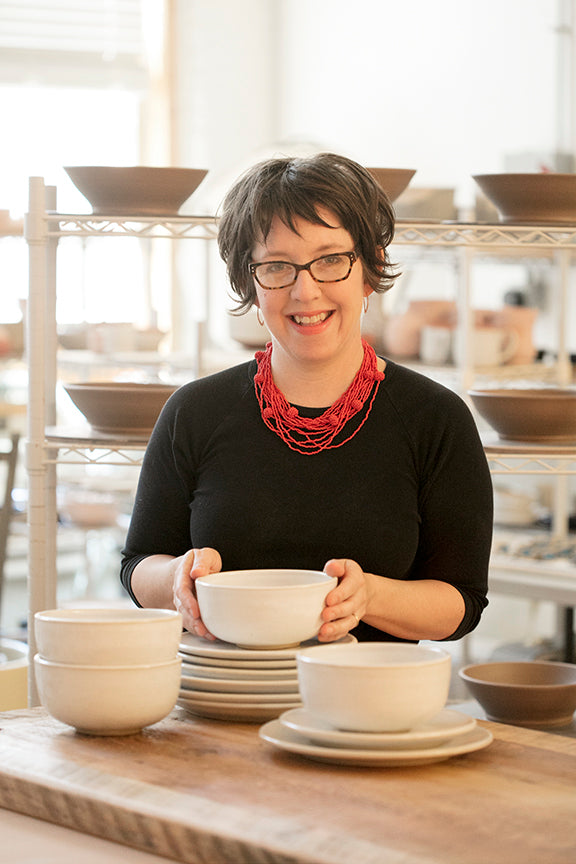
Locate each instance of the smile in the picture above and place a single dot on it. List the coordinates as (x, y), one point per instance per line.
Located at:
(311, 319)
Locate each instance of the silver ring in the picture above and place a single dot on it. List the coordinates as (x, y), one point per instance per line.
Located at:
(357, 618)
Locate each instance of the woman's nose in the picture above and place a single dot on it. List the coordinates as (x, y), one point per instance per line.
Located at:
(305, 286)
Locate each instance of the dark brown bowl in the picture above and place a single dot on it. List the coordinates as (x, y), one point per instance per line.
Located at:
(533, 198)
(118, 407)
(524, 693)
(135, 191)
(393, 180)
(546, 415)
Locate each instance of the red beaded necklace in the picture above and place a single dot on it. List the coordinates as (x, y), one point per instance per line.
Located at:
(309, 435)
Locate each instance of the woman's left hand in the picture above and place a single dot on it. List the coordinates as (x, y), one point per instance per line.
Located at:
(347, 603)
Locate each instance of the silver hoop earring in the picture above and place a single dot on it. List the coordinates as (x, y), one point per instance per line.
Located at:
(259, 316)
(366, 301)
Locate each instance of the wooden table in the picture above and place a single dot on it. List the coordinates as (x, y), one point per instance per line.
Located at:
(205, 791)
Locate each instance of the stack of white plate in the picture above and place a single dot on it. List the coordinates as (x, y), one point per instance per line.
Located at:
(450, 733)
(225, 682)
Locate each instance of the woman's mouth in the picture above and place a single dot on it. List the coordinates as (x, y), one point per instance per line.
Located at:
(309, 320)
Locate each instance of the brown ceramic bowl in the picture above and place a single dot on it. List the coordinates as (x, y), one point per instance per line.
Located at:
(533, 198)
(546, 415)
(120, 408)
(393, 180)
(135, 191)
(524, 693)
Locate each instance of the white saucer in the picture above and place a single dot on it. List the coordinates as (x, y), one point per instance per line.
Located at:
(289, 673)
(290, 700)
(446, 726)
(198, 647)
(225, 685)
(274, 732)
(240, 713)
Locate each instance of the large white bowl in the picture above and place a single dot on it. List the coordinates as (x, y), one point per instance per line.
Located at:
(374, 686)
(108, 700)
(108, 636)
(263, 608)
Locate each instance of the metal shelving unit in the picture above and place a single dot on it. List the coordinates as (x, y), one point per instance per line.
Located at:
(47, 446)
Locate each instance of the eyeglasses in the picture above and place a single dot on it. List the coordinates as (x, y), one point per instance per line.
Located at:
(281, 274)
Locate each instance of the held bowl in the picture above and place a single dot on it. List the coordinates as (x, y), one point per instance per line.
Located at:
(136, 190)
(531, 197)
(374, 686)
(108, 636)
(120, 407)
(108, 700)
(393, 180)
(525, 692)
(546, 415)
(263, 608)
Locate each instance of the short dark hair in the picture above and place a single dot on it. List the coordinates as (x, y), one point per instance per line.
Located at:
(293, 188)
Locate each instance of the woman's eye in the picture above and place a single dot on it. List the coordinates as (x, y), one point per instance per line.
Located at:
(275, 268)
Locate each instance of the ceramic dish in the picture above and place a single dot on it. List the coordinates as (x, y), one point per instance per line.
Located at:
(288, 673)
(287, 699)
(210, 663)
(223, 685)
(275, 733)
(448, 725)
(198, 647)
(240, 713)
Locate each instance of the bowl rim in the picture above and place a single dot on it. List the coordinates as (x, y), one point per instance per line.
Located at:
(210, 579)
(89, 667)
(96, 615)
(520, 393)
(466, 676)
(522, 175)
(78, 386)
(320, 655)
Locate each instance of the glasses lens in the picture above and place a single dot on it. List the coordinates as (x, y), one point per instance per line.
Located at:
(275, 274)
(331, 268)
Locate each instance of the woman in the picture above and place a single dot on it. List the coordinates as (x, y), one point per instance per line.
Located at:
(316, 454)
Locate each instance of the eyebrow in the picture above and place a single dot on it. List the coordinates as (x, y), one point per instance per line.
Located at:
(321, 250)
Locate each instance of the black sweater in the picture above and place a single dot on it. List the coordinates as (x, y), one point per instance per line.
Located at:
(409, 497)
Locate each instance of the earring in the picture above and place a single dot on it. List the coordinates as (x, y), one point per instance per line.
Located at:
(259, 316)
(366, 301)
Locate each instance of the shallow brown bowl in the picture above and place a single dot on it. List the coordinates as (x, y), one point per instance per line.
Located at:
(135, 191)
(524, 693)
(393, 180)
(118, 407)
(533, 198)
(546, 415)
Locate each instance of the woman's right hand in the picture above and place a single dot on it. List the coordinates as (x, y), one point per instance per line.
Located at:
(185, 570)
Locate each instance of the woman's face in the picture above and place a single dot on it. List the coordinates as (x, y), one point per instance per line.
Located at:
(309, 321)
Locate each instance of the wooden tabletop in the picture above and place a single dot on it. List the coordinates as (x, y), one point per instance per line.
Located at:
(197, 790)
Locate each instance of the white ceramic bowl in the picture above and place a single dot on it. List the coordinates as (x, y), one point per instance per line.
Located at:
(108, 700)
(263, 608)
(108, 636)
(374, 686)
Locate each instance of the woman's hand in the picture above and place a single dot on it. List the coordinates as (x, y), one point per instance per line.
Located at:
(185, 570)
(347, 603)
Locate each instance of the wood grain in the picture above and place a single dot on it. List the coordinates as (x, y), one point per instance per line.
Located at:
(205, 792)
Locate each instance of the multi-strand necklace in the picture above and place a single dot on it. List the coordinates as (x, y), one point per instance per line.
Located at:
(309, 435)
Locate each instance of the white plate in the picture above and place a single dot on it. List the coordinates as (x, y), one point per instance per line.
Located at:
(445, 726)
(198, 647)
(289, 699)
(232, 673)
(274, 732)
(216, 662)
(236, 713)
(224, 685)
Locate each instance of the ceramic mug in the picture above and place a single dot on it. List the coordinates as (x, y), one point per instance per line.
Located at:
(491, 346)
(436, 345)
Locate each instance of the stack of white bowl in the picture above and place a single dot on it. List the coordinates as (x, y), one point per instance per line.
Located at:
(108, 671)
(262, 618)
(375, 704)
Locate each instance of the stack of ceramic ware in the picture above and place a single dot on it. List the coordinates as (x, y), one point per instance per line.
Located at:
(374, 704)
(109, 671)
(225, 682)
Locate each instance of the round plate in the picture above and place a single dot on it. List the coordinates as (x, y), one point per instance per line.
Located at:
(225, 685)
(198, 647)
(274, 732)
(236, 713)
(288, 700)
(288, 673)
(447, 725)
(209, 663)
